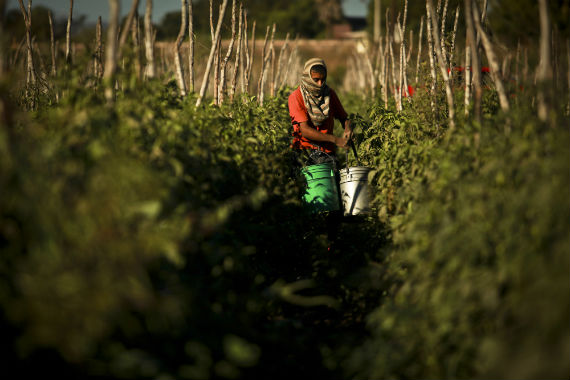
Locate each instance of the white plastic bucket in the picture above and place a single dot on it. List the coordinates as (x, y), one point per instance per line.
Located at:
(354, 190)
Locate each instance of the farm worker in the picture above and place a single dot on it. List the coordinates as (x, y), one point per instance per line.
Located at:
(313, 106)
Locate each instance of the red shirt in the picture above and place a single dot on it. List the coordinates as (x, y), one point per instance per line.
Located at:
(299, 114)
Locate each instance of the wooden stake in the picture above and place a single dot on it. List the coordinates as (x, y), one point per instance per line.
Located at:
(98, 64)
(568, 62)
(238, 63)
(475, 65)
(272, 62)
(385, 81)
(492, 58)
(544, 73)
(68, 34)
(111, 50)
(150, 70)
(30, 68)
(190, 46)
(277, 83)
(222, 87)
(442, 34)
(442, 66)
(433, 98)
(217, 59)
(250, 60)
(126, 28)
(290, 60)
(217, 36)
(135, 35)
(52, 46)
(263, 62)
(452, 48)
(419, 49)
(177, 45)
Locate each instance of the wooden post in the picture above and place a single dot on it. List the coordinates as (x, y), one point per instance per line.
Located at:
(217, 59)
(98, 61)
(419, 49)
(544, 73)
(135, 35)
(277, 82)
(394, 84)
(263, 62)
(475, 66)
(245, 53)
(238, 60)
(126, 28)
(250, 60)
(111, 50)
(52, 46)
(224, 65)
(68, 34)
(433, 98)
(150, 70)
(30, 68)
(377, 20)
(452, 48)
(442, 34)
(177, 45)
(217, 36)
(272, 62)
(3, 56)
(190, 46)
(568, 62)
(442, 66)
(385, 77)
(290, 60)
(404, 62)
(492, 58)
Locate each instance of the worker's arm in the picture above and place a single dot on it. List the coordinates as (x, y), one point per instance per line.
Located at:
(312, 134)
(347, 129)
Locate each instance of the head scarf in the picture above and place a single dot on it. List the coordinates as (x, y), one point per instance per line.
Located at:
(317, 98)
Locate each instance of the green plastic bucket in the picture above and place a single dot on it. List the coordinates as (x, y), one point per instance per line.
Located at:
(322, 192)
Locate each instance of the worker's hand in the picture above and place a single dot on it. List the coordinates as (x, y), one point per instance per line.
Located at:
(348, 134)
(341, 142)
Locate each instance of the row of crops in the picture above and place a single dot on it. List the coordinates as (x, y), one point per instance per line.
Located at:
(156, 239)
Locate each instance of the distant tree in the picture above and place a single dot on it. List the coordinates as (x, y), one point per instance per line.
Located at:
(514, 20)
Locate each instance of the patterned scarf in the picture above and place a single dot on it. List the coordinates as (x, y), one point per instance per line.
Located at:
(317, 98)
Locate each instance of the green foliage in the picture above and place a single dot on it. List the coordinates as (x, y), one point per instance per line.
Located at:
(156, 239)
(479, 263)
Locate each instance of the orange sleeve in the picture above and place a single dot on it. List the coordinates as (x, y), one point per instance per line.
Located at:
(297, 109)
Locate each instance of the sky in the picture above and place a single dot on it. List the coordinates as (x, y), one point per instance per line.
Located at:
(95, 8)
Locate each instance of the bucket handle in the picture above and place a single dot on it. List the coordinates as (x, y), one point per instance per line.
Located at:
(331, 159)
